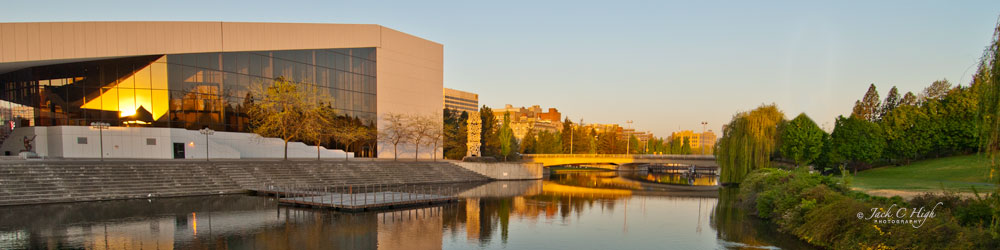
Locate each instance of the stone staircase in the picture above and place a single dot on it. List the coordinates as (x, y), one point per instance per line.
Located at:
(35, 182)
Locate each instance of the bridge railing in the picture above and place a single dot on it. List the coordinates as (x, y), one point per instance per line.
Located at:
(633, 156)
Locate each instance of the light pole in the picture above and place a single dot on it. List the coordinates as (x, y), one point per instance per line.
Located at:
(206, 131)
(701, 143)
(628, 138)
(101, 126)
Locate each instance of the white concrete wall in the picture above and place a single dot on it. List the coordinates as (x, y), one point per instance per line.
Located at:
(130, 142)
(410, 75)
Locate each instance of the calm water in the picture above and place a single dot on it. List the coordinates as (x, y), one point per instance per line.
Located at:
(593, 210)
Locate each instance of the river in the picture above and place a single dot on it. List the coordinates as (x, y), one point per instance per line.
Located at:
(571, 210)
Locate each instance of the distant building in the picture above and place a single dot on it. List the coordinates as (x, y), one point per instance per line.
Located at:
(697, 140)
(524, 119)
(460, 100)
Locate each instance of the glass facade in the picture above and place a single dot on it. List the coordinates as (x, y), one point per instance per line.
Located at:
(189, 91)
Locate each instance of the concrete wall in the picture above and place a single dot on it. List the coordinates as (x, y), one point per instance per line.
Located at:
(131, 142)
(505, 170)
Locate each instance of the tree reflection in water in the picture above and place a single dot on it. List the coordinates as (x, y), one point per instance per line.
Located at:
(591, 210)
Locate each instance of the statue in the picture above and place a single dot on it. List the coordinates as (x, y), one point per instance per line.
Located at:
(475, 125)
(27, 143)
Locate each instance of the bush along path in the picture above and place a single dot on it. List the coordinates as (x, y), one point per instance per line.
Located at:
(823, 211)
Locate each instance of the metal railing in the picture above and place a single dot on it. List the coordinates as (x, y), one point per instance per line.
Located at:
(632, 156)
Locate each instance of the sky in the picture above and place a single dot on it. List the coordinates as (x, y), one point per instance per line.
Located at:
(665, 65)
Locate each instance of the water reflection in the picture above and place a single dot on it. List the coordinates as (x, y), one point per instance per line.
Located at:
(576, 211)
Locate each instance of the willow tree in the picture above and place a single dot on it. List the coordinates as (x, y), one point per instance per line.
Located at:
(988, 79)
(748, 141)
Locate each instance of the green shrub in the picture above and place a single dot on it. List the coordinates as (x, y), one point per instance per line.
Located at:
(822, 210)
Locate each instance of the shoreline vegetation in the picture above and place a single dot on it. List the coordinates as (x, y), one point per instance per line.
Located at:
(943, 139)
(824, 211)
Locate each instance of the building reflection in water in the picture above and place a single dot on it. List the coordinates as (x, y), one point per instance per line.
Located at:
(584, 206)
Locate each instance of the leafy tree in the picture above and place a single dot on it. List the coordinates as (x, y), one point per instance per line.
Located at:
(549, 142)
(319, 120)
(348, 132)
(801, 140)
(868, 107)
(686, 146)
(277, 110)
(857, 141)
(747, 142)
(909, 99)
(395, 131)
(906, 138)
(506, 136)
(634, 147)
(675, 145)
(937, 91)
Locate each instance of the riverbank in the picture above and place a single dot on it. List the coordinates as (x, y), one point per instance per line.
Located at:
(39, 182)
(823, 211)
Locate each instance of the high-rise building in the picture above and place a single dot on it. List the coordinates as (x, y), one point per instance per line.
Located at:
(458, 100)
(170, 78)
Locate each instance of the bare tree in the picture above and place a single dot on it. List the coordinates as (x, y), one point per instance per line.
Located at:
(395, 131)
(422, 127)
(435, 134)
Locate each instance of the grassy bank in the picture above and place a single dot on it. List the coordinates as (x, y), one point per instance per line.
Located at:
(823, 211)
(954, 174)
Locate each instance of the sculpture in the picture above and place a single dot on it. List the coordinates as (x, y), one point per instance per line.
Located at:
(475, 125)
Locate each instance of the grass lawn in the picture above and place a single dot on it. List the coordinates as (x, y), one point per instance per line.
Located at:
(956, 174)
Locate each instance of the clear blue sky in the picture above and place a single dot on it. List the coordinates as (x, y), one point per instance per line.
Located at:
(665, 65)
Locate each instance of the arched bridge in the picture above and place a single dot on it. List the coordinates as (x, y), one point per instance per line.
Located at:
(620, 159)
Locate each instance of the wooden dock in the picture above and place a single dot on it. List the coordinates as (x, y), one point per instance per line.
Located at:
(354, 199)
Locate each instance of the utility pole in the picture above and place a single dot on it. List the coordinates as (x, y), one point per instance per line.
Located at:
(701, 143)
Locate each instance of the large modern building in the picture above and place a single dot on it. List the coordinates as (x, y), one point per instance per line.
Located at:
(460, 101)
(158, 82)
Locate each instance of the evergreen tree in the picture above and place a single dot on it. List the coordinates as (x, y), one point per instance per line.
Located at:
(567, 135)
(489, 135)
(868, 107)
(892, 100)
(529, 144)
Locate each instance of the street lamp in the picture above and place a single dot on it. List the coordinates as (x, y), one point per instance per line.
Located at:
(101, 126)
(207, 132)
(701, 143)
(628, 137)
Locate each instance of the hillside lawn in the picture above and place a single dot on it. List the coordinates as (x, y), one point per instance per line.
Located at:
(954, 174)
